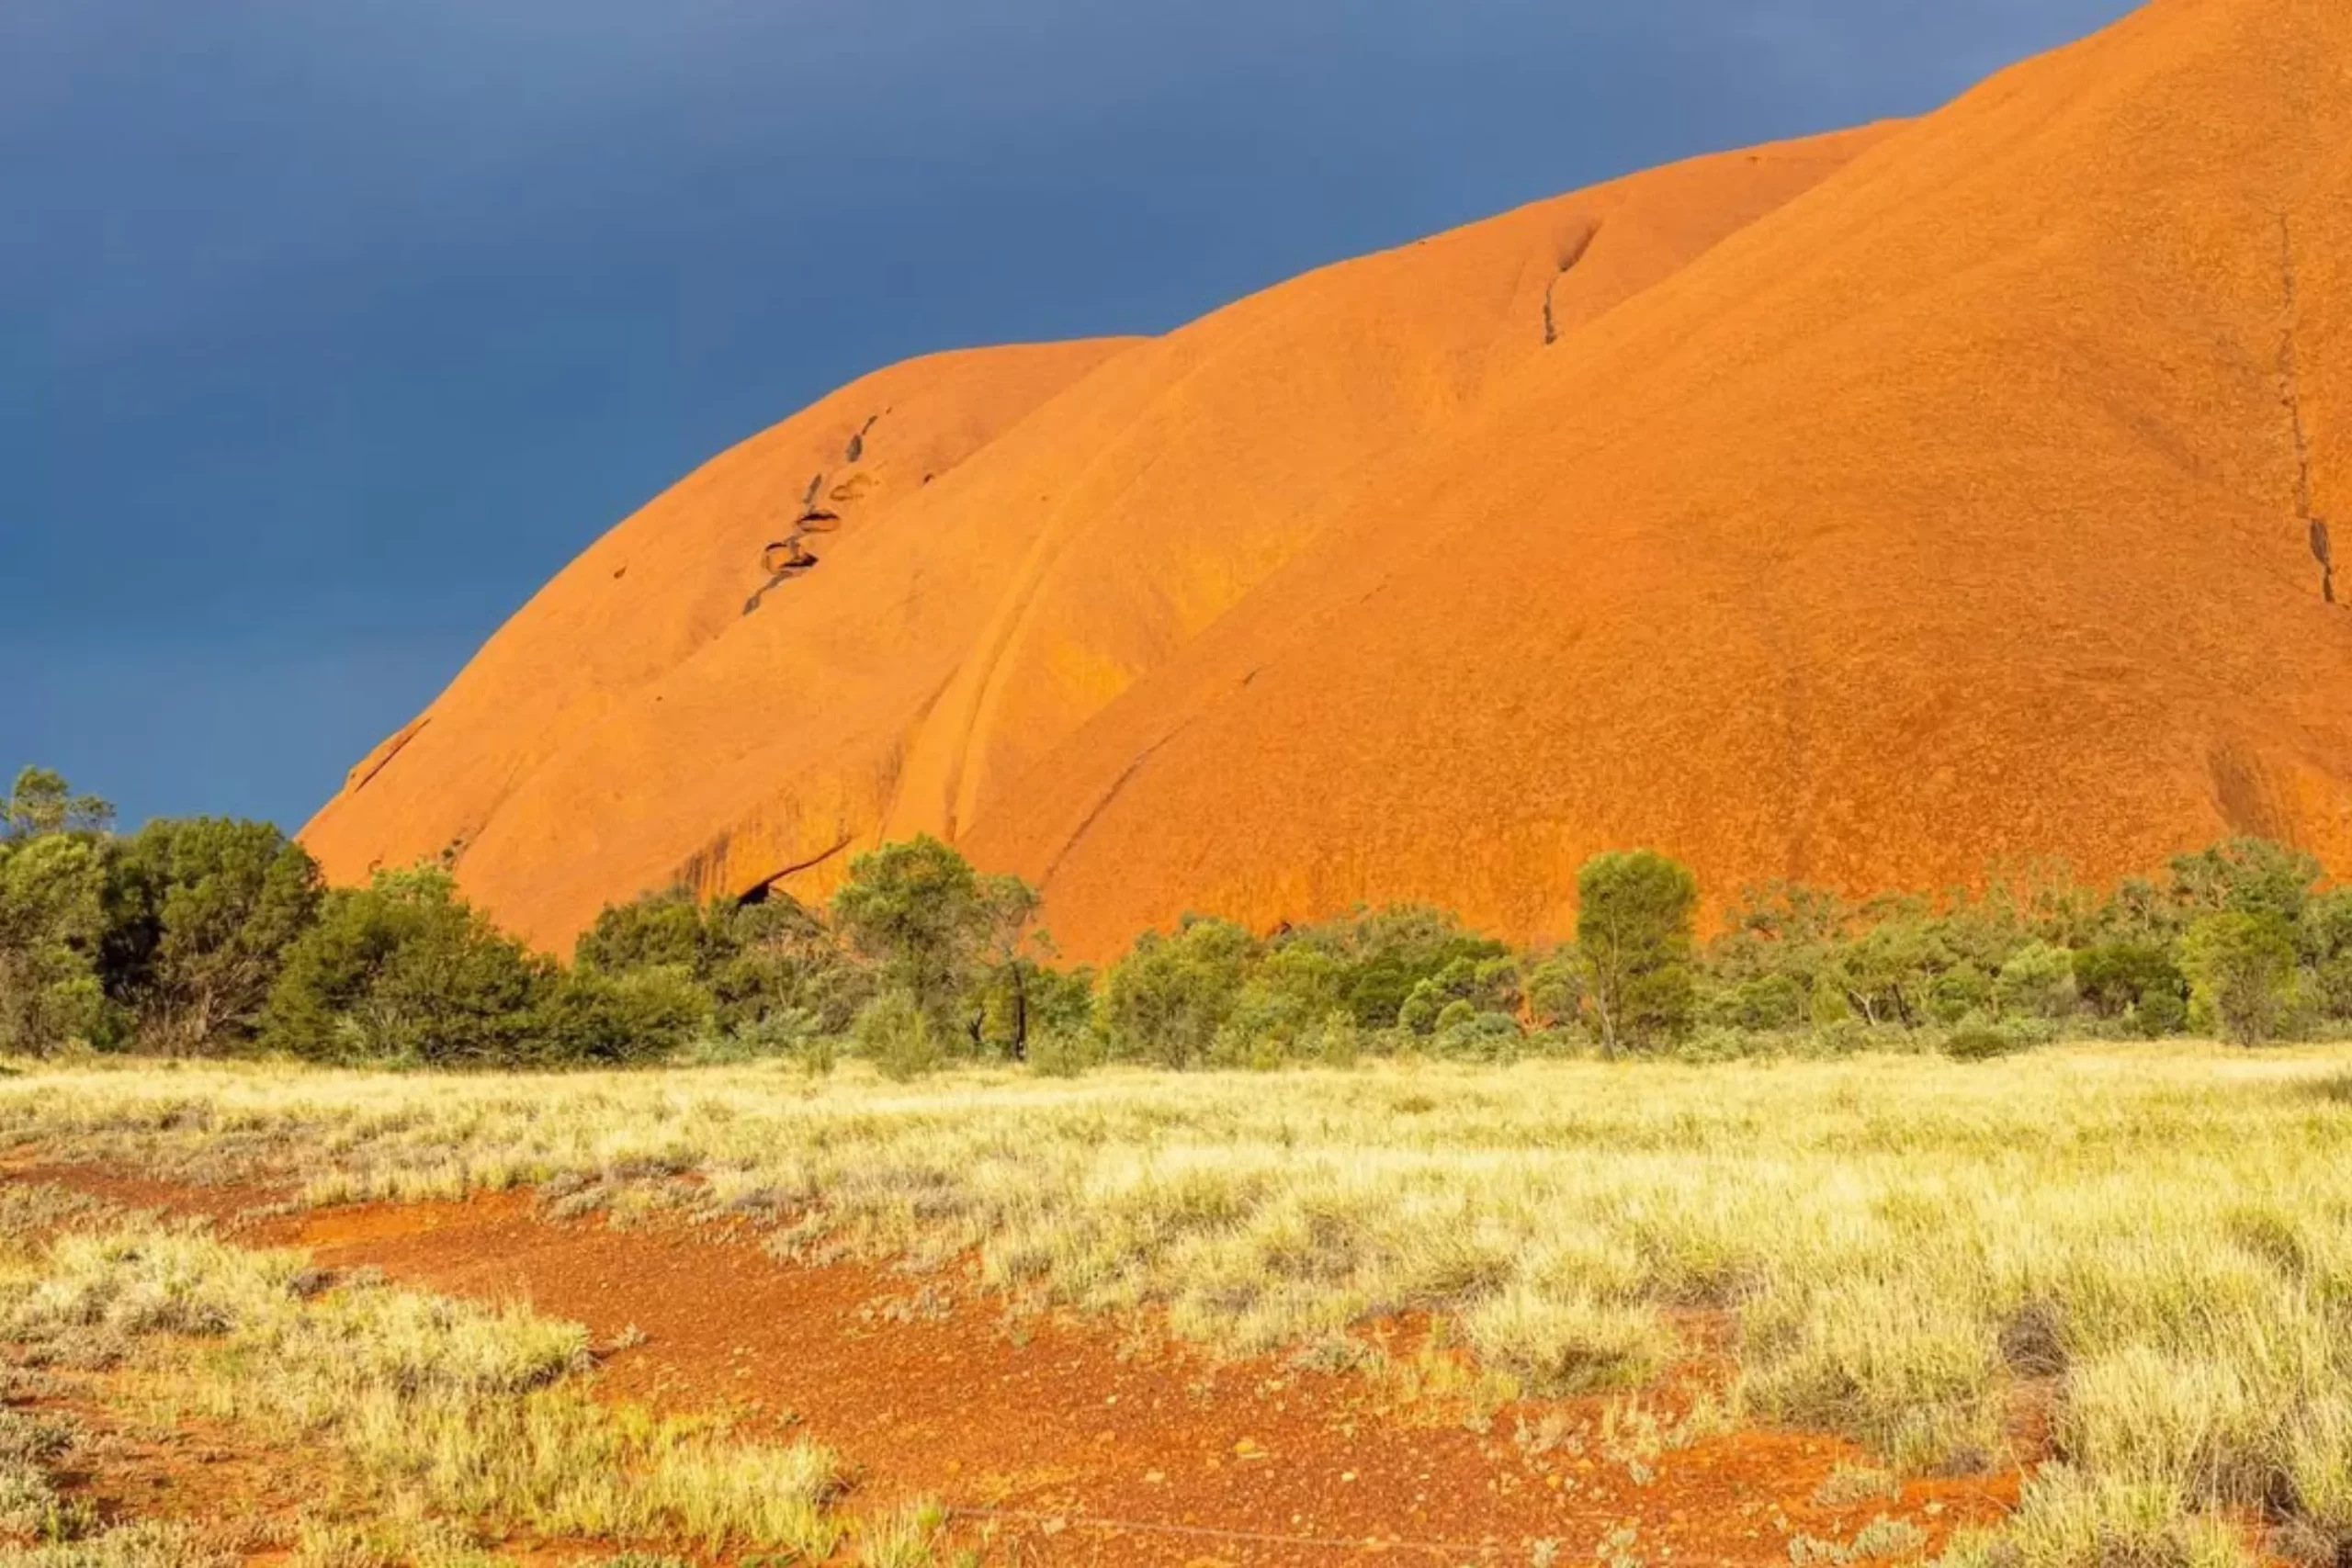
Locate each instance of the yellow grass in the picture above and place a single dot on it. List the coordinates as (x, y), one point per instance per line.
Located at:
(2164, 1233)
(427, 1416)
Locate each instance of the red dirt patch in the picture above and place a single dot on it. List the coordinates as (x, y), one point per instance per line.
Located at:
(1069, 1443)
(127, 1469)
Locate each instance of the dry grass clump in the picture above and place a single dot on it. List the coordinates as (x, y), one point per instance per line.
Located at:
(908, 1536)
(2072, 1519)
(31, 1507)
(141, 1545)
(438, 1410)
(1883, 1538)
(1570, 1344)
(1852, 1483)
(2162, 1235)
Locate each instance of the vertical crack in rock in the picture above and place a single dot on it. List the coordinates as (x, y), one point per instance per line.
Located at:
(2290, 397)
(1566, 264)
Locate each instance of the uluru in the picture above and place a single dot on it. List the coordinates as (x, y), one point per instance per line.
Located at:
(1870, 510)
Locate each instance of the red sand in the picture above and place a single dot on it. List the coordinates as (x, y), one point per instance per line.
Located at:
(1889, 506)
(1091, 1442)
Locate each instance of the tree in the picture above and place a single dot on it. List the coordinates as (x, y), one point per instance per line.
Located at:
(1634, 913)
(2327, 945)
(1959, 991)
(1785, 929)
(775, 966)
(774, 973)
(1477, 985)
(41, 803)
(935, 927)
(201, 912)
(1012, 967)
(915, 910)
(52, 930)
(1888, 968)
(1767, 1002)
(2241, 969)
(2140, 911)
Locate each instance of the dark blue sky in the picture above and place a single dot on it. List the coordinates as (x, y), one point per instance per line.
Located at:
(330, 328)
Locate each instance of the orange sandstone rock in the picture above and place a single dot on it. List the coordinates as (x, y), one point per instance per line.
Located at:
(1871, 510)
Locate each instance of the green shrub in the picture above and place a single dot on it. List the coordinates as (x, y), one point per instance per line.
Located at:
(1419, 1012)
(665, 929)
(1886, 967)
(1021, 1000)
(1721, 1043)
(2332, 987)
(2160, 1014)
(405, 971)
(1167, 999)
(1338, 1043)
(2327, 946)
(642, 1015)
(201, 934)
(1766, 1003)
(895, 1034)
(1958, 992)
(1236, 1046)
(1470, 1035)
(1371, 961)
(1297, 980)
(2037, 981)
(1555, 990)
(1064, 1053)
(1981, 1042)
(2241, 969)
(1061, 1000)
(1842, 1036)
(54, 861)
(2245, 876)
(2118, 977)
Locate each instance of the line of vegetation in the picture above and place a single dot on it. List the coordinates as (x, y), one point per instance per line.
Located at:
(206, 937)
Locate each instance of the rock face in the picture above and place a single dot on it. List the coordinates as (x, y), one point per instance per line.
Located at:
(1874, 510)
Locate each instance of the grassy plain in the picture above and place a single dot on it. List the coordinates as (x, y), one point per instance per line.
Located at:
(423, 1425)
(2153, 1245)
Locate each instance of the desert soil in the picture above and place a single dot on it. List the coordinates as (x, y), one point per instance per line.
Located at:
(1075, 1442)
